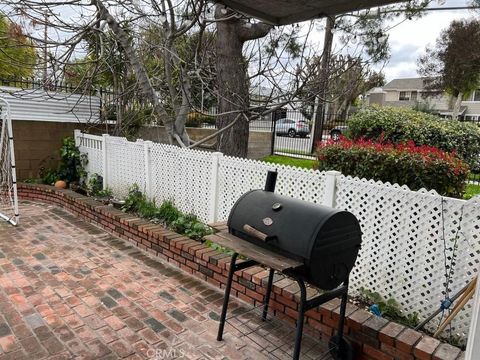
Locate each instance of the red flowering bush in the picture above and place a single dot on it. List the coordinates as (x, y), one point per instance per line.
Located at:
(404, 163)
(398, 124)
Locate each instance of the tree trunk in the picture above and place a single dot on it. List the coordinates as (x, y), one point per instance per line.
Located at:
(456, 106)
(232, 89)
(232, 80)
(323, 79)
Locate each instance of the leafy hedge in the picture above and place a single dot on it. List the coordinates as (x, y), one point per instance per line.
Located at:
(195, 119)
(403, 124)
(405, 164)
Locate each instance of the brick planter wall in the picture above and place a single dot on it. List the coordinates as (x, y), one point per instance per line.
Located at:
(374, 337)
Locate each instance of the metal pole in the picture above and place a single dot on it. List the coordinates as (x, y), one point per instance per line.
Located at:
(226, 297)
(301, 315)
(267, 294)
(341, 321)
(45, 48)
(9, 129)
(473, 343)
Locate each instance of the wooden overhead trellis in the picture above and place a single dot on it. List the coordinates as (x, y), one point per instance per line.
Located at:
(284, 12)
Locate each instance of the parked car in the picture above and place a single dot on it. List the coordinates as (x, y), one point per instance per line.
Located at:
(337, 131)
(292, 128)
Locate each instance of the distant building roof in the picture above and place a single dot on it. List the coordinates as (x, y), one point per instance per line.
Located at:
(405, 84)
(375, 90)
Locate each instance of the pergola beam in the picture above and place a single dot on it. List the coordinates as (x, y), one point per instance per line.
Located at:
(284, 12)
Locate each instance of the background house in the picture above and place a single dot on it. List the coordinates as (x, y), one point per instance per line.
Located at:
(410, 92)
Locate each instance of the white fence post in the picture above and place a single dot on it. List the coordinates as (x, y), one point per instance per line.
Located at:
(330, 187)
(214, 201)
(473, 342)
(76, 135)
(104, 161)
(147, 145)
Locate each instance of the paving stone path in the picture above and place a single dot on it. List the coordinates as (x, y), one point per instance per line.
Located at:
(71, 291)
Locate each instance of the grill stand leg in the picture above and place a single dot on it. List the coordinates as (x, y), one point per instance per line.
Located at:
(341, 321)
(301, 315)
(267, 294)
(226, 297)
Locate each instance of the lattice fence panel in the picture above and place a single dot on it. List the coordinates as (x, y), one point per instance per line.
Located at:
(238, 176)
(410, 241)
(183, 176)
(92, 146)
(125, 165)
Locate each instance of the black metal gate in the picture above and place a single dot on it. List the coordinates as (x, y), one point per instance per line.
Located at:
(294, 133)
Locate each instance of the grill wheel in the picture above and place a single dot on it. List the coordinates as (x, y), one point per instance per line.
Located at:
(348, 352)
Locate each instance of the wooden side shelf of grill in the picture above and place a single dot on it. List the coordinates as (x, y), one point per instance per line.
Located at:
(254, 252)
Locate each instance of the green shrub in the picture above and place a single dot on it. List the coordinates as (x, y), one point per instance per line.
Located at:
(403, 124)
(185, 224)
(190, 226)
(72, 163)
(49, 176)
(168, 213)
(404, 164)
(71, 167)
(95, 187)
(147, 209)
(134, 199)
(195, 119)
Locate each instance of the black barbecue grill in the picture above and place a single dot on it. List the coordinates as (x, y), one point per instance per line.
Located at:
(308, 242)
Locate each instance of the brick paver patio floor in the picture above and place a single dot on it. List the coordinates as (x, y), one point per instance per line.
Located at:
(69, 290)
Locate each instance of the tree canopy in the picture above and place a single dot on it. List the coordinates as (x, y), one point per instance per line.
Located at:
(17, 55)
(453, 64)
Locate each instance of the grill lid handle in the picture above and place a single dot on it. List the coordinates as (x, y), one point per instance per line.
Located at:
(250, 230)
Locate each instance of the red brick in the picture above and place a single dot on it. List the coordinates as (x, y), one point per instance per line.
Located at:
(376, 353)
(446, 352)
(373, 325)
(7, 343)
(389, 333)
(255, 295)
(397, 354)
(290, 303)
(407, 339)
(327, 308)
(114, 322)
(314, 314)
(324, 329)
(238, 287)
(245, 298)
(425, 348)
(259, 277)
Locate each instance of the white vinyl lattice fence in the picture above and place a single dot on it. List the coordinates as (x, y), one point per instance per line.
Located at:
(414, 242)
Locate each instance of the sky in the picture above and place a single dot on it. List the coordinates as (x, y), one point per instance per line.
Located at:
(409, 39)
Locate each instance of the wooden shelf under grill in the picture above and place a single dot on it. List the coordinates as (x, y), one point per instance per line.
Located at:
(254, 252)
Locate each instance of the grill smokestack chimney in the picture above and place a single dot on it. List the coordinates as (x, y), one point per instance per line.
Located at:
(271, 181)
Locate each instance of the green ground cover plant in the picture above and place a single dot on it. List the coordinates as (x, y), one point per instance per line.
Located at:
(186, 224)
